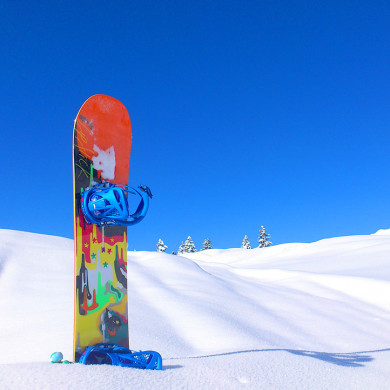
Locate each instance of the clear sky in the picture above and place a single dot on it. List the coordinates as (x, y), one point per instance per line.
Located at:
(244, 113)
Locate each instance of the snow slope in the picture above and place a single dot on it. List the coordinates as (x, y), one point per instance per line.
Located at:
(291, 316)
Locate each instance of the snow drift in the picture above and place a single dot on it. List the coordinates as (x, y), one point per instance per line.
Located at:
(287, 316)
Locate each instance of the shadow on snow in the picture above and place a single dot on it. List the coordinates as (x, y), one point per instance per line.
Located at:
(350, 359)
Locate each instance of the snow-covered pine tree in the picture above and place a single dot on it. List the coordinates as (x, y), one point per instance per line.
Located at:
(264, 238)
(161, 247)
(189, 246)
(206, 244)
(181, 249)
(245, 243)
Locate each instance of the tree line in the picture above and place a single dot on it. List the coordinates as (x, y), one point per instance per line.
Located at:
(188, 246)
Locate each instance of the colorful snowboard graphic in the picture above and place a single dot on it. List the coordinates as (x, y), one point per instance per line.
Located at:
(101, 153)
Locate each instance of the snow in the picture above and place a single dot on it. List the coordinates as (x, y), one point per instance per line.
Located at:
(383, 231)
(289, 316)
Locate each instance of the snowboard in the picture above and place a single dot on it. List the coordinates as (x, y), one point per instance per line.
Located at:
(101, 153)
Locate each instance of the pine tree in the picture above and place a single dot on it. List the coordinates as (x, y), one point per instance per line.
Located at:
(181, 249)
(161, 247)
(245, 243)
(206, 244)
(189, 246)
(264, 238)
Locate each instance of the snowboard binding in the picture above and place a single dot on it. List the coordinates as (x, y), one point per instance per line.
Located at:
(113, 354)
(107, 204)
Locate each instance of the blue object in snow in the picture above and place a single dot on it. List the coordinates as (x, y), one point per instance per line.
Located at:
(56, 357)
(113, 354)
(107, 204)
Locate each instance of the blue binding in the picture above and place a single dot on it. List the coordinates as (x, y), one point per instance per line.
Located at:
(113, 354)
(107, 204)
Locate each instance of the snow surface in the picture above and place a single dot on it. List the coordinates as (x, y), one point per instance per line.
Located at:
(291, 316)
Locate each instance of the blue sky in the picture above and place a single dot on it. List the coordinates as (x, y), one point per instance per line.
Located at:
(244, 113)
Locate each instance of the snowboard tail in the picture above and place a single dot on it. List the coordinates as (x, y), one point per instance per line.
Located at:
(101, 153)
